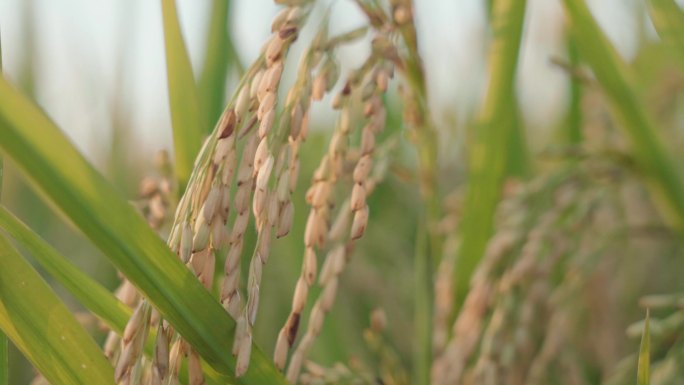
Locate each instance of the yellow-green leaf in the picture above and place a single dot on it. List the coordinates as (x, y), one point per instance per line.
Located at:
(668, 19)
(219, 58)
(186, 118)
(617, 83)
(643, 367)
(491, 144)
(42, 327)
(88, 292)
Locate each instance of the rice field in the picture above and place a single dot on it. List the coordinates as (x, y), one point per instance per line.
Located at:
(386, 246)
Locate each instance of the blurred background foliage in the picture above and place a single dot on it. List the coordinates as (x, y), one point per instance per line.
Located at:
(100, 74)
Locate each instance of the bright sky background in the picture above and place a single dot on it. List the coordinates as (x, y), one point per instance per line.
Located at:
(82, 43)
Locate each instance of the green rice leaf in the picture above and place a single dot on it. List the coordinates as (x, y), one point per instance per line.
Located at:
(56, 168)
(4, 359)
(668, 19)
(219, 59)
(490, 145)
(88, 292)
(186, 119)
(42, 327)
(643, 367)
(617, 82)
(4, 344)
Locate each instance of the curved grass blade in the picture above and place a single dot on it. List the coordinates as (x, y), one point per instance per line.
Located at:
(186, 119)
(54, 165)
(4, 359)
(4, 344)
(424, 307)
(664, 180)
(42, 327)
(668, 19)
(490, 147)
(643, 367)
(88, 292)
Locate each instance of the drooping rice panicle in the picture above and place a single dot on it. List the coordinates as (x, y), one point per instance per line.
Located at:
(363, 85)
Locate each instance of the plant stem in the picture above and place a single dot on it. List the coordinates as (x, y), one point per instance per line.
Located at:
(4, 344)
(4, 359)
(428, 243)
(220, 58)
(423, 306)
(490, 147)
(655, 163)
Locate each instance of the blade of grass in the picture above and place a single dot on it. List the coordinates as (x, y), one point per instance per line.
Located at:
(616, 81)
(186, 118)
(643, 367)
(668, 19)
(517, 162)
(428, 242)
(93, 296)
(423, 306)
(219, 58)
(4, 359)
(42, 327)
(4, 344)
(56, 168)
(88, 292)
(489, 147)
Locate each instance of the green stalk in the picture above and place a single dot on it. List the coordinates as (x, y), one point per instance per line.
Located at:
(4, 344)
(93, 296)
(428, 243)
(423, 306)
(186, 118)
(4, 359)
(668, 19)
(616, 80)
(490, 144)
(518, 162)
(219, 58)
(644, 362)
(42, 327)
(88, 292)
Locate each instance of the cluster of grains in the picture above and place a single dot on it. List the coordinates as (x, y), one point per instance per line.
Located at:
(389, 369)
(155, 194)
(514, 321)
(367, 85)
(204, 212)
(223, 188)
(129, 366)
(155, 200)
(271, 203)
(250, 164)
(337, 374)
(443, 284)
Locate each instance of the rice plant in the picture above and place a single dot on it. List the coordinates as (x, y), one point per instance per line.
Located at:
(269, 250)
